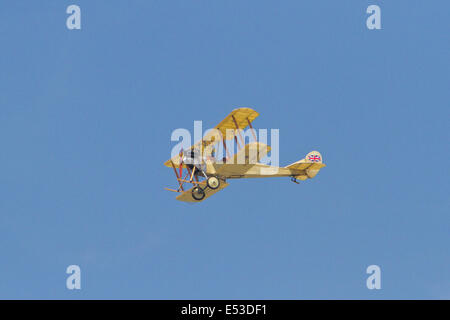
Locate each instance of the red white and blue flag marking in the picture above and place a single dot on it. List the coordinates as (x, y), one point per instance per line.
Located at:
(314, 158)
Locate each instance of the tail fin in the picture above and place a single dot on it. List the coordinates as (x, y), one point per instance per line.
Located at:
(307, 167)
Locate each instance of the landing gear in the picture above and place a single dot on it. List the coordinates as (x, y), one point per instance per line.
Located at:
(198, 193)
(213, 182)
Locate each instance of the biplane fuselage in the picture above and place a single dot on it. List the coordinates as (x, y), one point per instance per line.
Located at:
(197, 163)
(258, 170)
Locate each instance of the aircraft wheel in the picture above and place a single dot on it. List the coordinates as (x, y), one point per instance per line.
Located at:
(213, 182)
(198, 193)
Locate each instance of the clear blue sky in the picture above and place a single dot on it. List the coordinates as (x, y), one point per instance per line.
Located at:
(85, 124)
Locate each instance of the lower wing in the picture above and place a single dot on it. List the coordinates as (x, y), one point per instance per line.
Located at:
(192, 195)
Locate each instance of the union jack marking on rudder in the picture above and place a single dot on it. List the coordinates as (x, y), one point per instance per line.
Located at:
(314, 158)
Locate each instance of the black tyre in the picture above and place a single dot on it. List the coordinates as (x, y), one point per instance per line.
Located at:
(213, 182)
(198, 193)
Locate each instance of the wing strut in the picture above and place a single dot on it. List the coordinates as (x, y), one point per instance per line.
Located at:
(178, 178)
(239, 131)
(251, 128)
(235, 139)
(225, 147)
(192, 175)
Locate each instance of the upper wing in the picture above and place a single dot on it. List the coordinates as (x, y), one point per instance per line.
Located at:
(186, 196)
(238, 119)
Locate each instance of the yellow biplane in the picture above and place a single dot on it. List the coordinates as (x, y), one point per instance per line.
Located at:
(207, 175)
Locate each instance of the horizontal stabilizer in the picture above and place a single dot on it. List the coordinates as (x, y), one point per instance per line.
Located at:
(303, 166)
(307, 167)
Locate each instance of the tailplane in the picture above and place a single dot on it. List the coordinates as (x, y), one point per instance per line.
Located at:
(307, 167)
